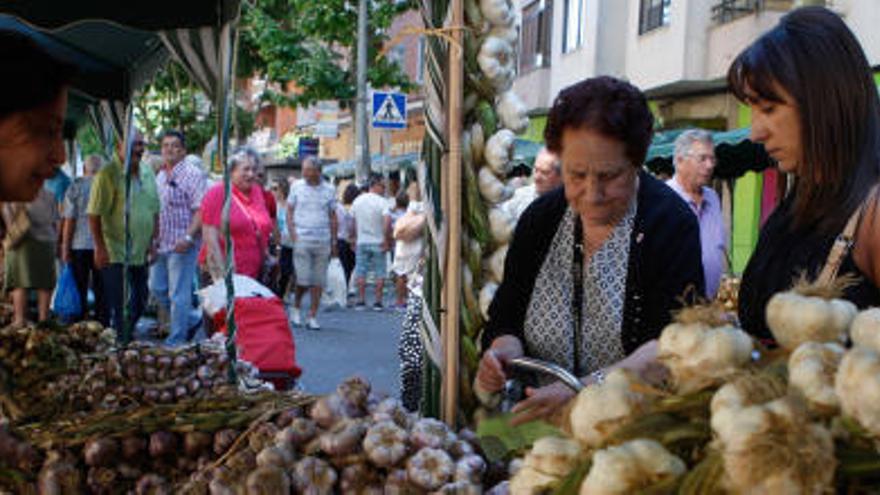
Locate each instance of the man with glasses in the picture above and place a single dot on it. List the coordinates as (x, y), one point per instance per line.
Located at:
(694, 161)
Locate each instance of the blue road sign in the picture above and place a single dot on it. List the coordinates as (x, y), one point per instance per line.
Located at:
(389, 110)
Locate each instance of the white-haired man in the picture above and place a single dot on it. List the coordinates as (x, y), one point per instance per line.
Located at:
(546, 176)
(694, 161)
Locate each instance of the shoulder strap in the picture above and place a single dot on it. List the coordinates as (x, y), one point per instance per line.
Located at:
(244, 209)
(844, 242)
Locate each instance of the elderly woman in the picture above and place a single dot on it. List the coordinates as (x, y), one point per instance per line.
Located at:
(815, 108)
(32, 108)
(249, 222)
(596, 267)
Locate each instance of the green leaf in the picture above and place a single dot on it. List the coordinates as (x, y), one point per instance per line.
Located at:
(504, 439)
(571, 484)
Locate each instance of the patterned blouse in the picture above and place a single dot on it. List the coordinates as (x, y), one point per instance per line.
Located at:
(549, 323)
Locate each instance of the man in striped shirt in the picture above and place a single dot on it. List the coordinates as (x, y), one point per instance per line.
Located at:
(181, 186)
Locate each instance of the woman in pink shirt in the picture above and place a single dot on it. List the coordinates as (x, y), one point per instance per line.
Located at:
(249, 223)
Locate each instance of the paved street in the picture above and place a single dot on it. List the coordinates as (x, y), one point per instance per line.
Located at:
(350, 342)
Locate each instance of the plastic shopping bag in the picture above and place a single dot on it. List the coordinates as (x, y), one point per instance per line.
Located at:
(66, 303)
(336, 290)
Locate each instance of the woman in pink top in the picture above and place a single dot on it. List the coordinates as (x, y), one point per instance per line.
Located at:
(249, 222)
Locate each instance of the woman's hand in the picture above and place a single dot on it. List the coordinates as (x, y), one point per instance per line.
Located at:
(541, 403)
(643, 361)
(490, 374)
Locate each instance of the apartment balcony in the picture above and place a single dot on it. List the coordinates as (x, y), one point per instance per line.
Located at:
(730, 10)
(735, 25)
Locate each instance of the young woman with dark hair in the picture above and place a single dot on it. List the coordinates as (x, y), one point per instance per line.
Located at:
(596, 267)
(815, 109)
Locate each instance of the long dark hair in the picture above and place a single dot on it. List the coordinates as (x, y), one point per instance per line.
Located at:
(814, 56)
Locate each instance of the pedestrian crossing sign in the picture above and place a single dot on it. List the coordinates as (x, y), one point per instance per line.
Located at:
(389, 110)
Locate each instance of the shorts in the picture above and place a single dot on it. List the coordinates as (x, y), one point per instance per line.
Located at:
(369, 258)
(310, 262)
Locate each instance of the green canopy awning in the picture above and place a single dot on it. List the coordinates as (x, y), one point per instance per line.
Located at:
(735, 152)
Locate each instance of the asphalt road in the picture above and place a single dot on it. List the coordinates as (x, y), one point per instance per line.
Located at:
(350, 342)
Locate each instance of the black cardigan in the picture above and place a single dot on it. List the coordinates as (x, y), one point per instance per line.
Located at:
(665, 263)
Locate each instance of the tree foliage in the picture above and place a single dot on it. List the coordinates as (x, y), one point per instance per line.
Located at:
(312, 43)
(173, 101)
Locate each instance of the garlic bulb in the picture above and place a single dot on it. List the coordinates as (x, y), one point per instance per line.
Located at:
(470, 469)
(299, 432)
(600, 409)
(344, 439)
(858, 387)
(491, 188)
(629, 467)
(501, 225)
(529, 481)
(554, 456)
(391, 409)
(512, 112)
(274, 456)
(100, 452)
(487, 293)
(386, 444)
(431, 433)
(499, 151)
(269, 479)
(811, 370)
(224, 439)
(774, 446)
(59, 475)
(495, 264)
(152, 484)
(865, 329)
(699, 356)
(314, 476)
(497, 62)
(460, 488)
(794, 318)
(741, 392)
(509, 34)
(497, 12)
(430, 468)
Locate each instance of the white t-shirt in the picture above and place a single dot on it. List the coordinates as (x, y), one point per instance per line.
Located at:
(312, 206)
(369, 211)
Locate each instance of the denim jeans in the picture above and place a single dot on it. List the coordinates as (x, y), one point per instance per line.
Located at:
(111, 277)
(172, 283)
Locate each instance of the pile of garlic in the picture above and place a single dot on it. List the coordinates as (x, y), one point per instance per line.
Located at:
(728, 420)
(350, 441)
(493, 119)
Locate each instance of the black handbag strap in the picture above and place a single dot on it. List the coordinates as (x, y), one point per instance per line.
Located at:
(577, 274)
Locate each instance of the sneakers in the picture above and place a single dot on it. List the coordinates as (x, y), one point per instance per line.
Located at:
(360, 306)
(313, 324)
(296, 317)
(377, 307)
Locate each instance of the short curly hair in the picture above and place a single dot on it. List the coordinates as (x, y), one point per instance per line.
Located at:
(609, 106)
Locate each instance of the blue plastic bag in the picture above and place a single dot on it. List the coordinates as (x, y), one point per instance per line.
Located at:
(66, 304)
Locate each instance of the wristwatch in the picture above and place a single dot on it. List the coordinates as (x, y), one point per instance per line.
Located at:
(188, 238)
